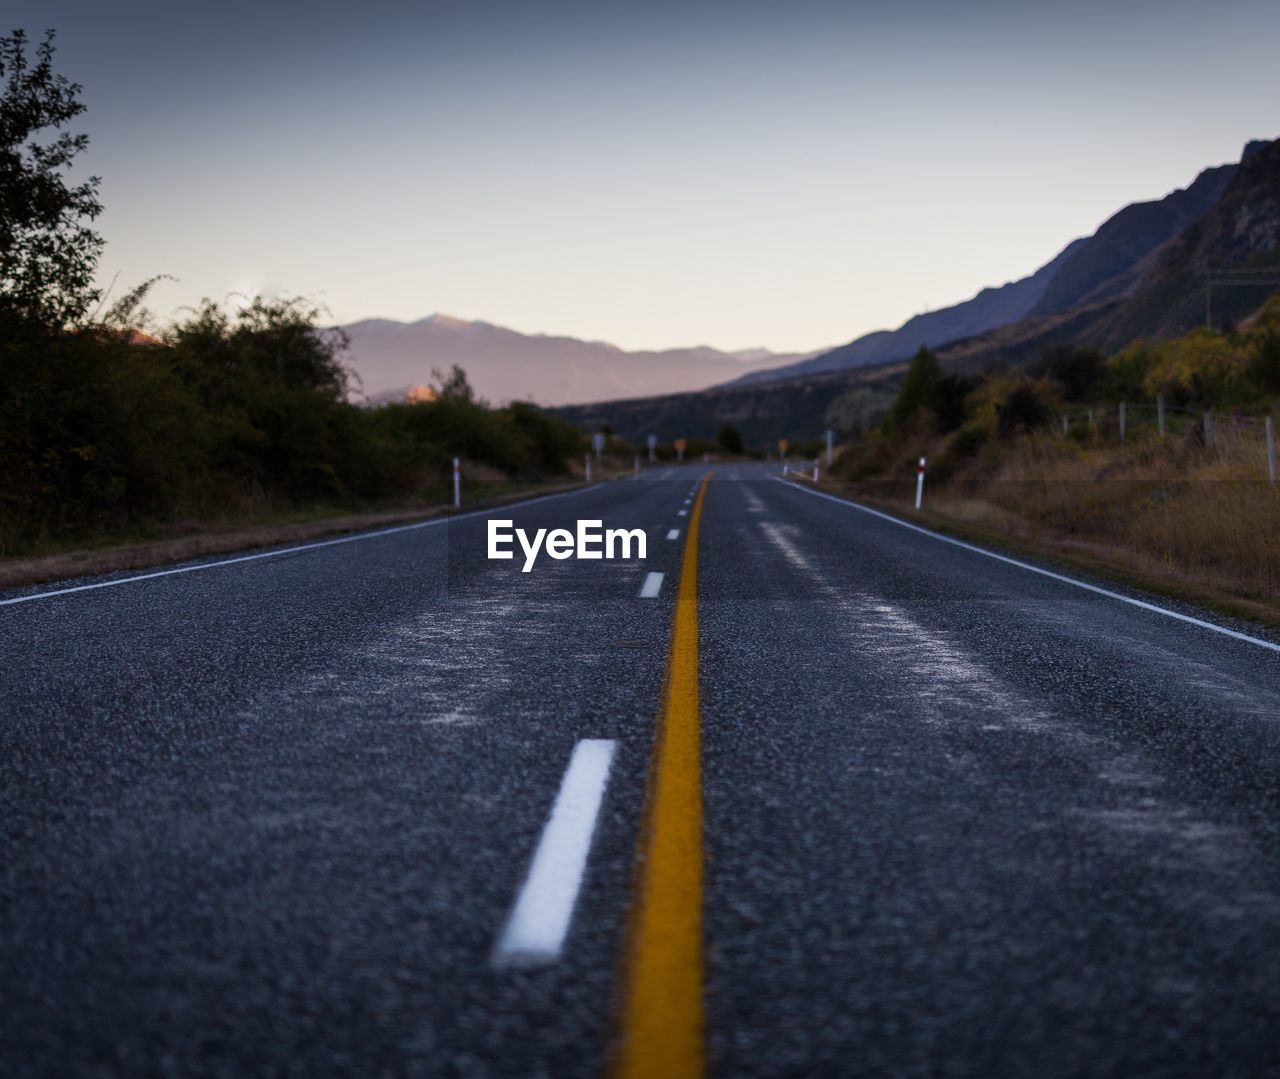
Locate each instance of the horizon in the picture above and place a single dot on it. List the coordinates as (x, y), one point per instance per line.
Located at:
(657, 180)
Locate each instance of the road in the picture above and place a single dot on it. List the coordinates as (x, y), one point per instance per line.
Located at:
(833, 796)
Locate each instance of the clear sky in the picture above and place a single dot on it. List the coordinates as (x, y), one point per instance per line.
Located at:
(788, 174)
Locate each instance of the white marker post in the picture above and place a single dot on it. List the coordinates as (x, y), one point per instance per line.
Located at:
(831, 438)
(1160, 413)
(1271, 450)
(457, 484)
(815, 470)
(587, 459)
(653, 448)
(1121, 421)
(598, 442)
(920, 483)
(636, 475)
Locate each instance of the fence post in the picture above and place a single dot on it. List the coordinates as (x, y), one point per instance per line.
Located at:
(1121, 421)
(1208, 430)
(457, 484)
(1160, 413)
(1271, 450)
(920, 483)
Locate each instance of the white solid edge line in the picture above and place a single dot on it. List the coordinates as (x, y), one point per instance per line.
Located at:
(652, 586)
(539, 921)
(673, 534)
(293, 550)
(1036, 569)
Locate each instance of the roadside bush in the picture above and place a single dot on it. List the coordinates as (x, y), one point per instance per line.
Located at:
(107, 430)
(1078, 372)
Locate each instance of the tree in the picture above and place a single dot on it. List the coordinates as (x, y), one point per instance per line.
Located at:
(48, 253)
(919, 388)
(453, 386)
(730, 439)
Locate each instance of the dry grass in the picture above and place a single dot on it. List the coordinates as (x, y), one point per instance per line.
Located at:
(1167, 511)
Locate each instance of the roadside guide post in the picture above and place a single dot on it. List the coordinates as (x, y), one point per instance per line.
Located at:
(815, 470)
(457, 484)
(831, 438)
(782, 450)
(653, 448)
(587, 459)
(636, 474)
(919, 483)
(680, 445)
(1271, 450)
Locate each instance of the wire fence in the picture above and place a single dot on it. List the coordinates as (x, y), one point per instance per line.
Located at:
(1232, 437)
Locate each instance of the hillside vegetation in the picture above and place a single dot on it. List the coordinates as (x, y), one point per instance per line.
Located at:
(1193, 505)
(106, 432)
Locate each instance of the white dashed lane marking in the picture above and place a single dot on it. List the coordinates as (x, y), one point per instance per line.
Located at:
(539, 922)
(652, 586)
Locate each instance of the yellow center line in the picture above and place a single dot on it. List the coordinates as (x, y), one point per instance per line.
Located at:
(662, 1025)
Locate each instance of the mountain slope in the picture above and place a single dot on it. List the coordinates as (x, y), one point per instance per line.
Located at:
(990, 308)
(504, 365)
(1090, 271)
(1241, 231)
(1165, 292)
(1105, 265)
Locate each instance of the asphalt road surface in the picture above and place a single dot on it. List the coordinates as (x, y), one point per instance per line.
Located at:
(833, 796)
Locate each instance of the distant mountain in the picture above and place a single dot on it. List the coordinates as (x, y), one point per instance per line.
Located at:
(503, 365)
(1090, 270)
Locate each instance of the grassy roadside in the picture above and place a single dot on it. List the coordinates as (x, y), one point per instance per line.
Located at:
(111, 555)
(1107, 563)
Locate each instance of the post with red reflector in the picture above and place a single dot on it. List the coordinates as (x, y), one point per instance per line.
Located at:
(920, 483)
(457, 484)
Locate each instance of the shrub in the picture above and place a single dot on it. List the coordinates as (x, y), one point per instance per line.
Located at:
(1078, 372)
